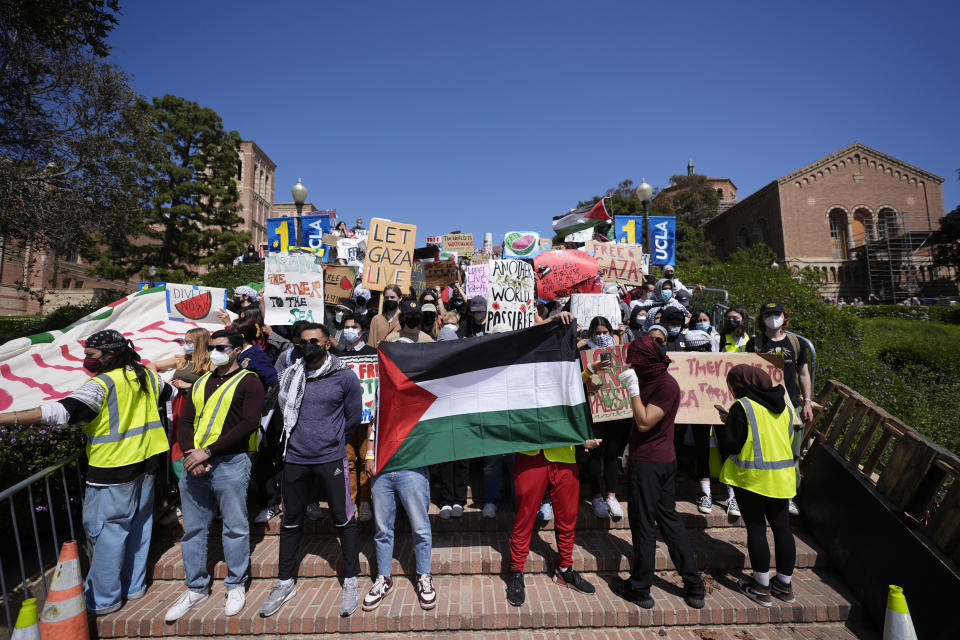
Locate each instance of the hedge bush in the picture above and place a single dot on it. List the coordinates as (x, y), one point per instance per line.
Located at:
(18, 326)
(233, 276)
(923, 313)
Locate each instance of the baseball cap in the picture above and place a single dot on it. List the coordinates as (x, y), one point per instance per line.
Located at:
(429, 308)
(771, 307)
(410, 306)
(478, 303)
(671, 314)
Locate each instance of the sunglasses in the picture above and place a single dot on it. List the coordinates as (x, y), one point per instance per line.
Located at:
(314, 341)
(219, 347)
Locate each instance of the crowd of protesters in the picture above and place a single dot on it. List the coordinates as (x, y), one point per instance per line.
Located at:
(267, 422)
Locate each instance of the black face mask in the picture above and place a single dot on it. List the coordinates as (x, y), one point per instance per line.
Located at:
(429, 319)
(312, 353)
(412, 320)
(390, 305)
(732, 325)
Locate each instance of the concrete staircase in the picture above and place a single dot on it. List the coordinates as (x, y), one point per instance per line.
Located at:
(469, 556)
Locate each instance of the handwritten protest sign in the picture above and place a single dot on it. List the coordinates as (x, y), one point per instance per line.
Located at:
(193, 303)
(511, 302)
(433, 240)
(440, 274)
(367, 370)
(587, 306)
(418, 283)
(618, 262)
(560, 273)
(478, 281)
(521, 244)
(459, 243)
(293, 288)
(281, 233)
(703, 381)
(330, 239)
(389, 258)
(351, 249)
(609, 400)
(338, 283)
(480, 258)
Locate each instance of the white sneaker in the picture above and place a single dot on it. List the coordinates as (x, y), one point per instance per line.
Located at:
(265, 515)
(600, 508)
(613, 506)
(314, 511)
(364, 512)
(187, 600)
(733, 509)
(706, 504)
(456, 511)
(489, 510)
(792, 507)
(445, 511)
(236, 599)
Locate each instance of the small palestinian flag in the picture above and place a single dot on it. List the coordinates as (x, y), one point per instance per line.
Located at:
(461, 399)
(589, 215)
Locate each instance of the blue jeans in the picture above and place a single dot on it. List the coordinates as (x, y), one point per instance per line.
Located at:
(118, 521)
(225, 486)
(493, 476)
(412, 487)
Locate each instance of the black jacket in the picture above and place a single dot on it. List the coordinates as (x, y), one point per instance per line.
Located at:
(732, 435)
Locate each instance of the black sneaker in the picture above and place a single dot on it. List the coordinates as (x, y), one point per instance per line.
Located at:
(640, 598)
(570, 578)
(516, 594)
(782, 590)
(694, 595)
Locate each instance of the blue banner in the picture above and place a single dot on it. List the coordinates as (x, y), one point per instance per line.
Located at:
(312, 228)
(628, 229)
(663, 233)
(281, 234)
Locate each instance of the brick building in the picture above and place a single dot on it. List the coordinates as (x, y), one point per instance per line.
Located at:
(859, 216)
(255, 171)
(726, 190)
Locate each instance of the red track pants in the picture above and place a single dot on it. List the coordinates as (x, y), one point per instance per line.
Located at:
(531, 475)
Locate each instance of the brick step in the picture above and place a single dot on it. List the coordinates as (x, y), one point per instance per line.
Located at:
(473, 521)
(485, 553)
(791, 631)
(472, 603)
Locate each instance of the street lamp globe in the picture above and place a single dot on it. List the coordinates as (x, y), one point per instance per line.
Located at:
(644, 191)
(299, 192)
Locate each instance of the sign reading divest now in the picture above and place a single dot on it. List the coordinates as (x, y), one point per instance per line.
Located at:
(293, 288)
(511, 303)
(194, 303)
(389, 258)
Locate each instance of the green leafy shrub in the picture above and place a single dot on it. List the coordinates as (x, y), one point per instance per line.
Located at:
(233, 276)
(26, 449)
(924, 313)
(19, 326)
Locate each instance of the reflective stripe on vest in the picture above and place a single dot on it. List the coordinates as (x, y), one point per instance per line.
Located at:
(758, 462)
(731, 347)
(216, 419)
(113, 413)
(765, 465)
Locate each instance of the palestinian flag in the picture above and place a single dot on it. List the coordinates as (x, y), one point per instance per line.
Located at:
(460, 399)
(589, 215)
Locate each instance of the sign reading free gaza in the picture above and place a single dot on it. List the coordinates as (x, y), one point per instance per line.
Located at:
(389, 258)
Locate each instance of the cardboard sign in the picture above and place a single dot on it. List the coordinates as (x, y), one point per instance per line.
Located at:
(367, 370)
(440, 274)
(389, 258)
(281, 233)
(418, 282)
(521, 244)
(703, 381)
(478, 281)
(480, 258)
(459, 243)
(663, 235)
(294, 288)
(618, 262)
(331, 239)
(560, 273)
(511, 304)
(587, 306)
(628, 229)
(193, 303)
(338, 284)
(433, 240)
(313, 228)
(608, 400)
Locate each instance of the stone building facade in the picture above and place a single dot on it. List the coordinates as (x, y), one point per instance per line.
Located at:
(859, 216)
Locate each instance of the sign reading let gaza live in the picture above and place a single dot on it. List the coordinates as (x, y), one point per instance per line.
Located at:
(389, 258)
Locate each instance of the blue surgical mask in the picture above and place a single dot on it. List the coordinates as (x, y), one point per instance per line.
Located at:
(351, 334)
(188, 348)
(703, 326)
(667, 294)
(673, 331)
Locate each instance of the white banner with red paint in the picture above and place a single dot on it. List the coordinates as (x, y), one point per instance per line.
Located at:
(49, 366)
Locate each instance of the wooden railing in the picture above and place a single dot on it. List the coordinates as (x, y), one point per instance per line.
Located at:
(921, 478)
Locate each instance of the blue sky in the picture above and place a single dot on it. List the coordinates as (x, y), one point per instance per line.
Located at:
(496, 116)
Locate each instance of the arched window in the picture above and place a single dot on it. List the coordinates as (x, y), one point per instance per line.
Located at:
(833, 274)
(887, 225)
(761, 231)
(743, 238)
(862, 227)
(239, 169)
(838, 233)
(720, 194)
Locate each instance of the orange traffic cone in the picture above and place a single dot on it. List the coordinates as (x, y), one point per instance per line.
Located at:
(26, 627)
(897, 625)
(64, 615)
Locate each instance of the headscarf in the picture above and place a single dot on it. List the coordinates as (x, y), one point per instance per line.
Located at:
(244, 290)
(108, 340)
(648, 359)
(743, 376)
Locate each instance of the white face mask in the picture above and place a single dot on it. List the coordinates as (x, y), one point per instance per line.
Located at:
(452, 326)
(351, 334)
(188, 348)
(774, 321)
(338, 316)
(219, 358)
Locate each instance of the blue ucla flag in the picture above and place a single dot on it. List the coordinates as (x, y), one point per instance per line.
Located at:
(663, 236)
(313, 226)
(628, 229)
(281, 233)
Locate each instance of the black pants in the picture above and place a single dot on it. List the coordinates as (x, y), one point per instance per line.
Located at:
(299, 490)
(756, 510)
(651, 497)
(452, 485)
(603, 466)
(701, 446)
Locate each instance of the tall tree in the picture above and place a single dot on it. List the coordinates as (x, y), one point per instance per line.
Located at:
(192, 216)
(947, 243)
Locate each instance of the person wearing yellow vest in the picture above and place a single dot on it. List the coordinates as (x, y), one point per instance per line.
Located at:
(118, 409)
(755, 442)
(218, 426)
(734, 337)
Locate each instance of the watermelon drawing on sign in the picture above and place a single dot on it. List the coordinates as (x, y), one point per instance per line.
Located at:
(521, 243)
(196, 307)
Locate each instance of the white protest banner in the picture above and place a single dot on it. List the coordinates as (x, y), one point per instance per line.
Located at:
(195, 303)
(389, 258)
(353, 250)
(587, 306)
(511, 302)
(478, 281)
(293, 288)
(458, 243)
(367, 370)
(619, 262)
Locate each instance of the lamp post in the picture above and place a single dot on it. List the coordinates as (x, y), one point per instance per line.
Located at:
(644, 193)
(299, 192)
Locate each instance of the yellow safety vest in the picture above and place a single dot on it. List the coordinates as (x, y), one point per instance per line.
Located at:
(731, 347)
(765, 464)
(208, 418)
(556, 454)
(127, 430)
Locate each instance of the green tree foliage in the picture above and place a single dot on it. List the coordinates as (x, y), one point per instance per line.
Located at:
(191, 218)
(947, 249)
